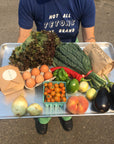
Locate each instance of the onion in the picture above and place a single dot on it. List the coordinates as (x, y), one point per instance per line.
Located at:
(34, 109)
(19, 106)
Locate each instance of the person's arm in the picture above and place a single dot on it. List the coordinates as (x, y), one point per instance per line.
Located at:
(23, 34)
(88, 34)
(25, 19)
(88, 21)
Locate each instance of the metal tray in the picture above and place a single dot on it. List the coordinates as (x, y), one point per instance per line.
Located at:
(36, 95)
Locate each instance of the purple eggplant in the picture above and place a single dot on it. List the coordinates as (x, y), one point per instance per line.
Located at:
(102, 101)
(112, 96)
(110, 85)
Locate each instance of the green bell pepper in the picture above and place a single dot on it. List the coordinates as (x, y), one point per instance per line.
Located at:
(62, 74)
(72, 85)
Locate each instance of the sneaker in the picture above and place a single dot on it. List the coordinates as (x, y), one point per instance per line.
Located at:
(41, 128)
(67, 125)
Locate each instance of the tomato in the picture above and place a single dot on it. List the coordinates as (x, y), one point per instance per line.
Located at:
(52, 93)
(45, 93)
(63, 91)
(64, 99)
(45, 89)
(57, 89)
(56, 85)
(48, 100)
(55, 92)
(58, 94)
(45, 84)
(62, 95)
(63, 88)
(48, 91)
(50, 84)
(52, 100)
(48, 96)
(61, 85)
(51, 87)
(57, 99)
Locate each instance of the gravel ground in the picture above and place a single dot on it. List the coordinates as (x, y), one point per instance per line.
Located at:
(86, 130)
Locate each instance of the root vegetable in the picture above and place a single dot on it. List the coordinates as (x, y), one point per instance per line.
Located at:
(19, 106)
(34, 109)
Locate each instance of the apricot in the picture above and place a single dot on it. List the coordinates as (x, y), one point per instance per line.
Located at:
(26, 75)
(44, 68)
(48, 75)
(77, 104)
(39, 79)
(30, 83)
(35, 71)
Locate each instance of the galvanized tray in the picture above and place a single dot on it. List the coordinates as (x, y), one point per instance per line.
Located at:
(36, 95)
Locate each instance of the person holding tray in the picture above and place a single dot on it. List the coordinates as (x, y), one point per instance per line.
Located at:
(62, 17)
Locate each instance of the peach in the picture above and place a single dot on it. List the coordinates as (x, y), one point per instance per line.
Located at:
(77, 104)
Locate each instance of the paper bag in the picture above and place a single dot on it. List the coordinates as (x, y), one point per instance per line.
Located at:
(101, 63)
(11, 80)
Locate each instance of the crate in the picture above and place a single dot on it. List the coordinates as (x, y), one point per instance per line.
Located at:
(54, 104)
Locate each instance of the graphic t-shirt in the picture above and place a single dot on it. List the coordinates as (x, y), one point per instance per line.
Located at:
(60, 16)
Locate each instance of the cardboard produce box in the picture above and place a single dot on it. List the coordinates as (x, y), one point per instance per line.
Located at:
(11, 80)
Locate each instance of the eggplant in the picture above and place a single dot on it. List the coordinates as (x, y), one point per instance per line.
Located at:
(101, 103)
(112, 96)
(110, 85)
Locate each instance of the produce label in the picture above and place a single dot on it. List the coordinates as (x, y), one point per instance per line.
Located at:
(9, 74)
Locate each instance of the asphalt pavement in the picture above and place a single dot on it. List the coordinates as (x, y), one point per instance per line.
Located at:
(86, 130)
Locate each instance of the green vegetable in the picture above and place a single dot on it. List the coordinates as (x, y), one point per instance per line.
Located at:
(55, 72)
(57, 78)
(38, 49)
(68, 81)
(72, 56)
(61, 75)
(72, 85)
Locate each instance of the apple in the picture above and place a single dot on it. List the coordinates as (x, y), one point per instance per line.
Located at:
(77, 104)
